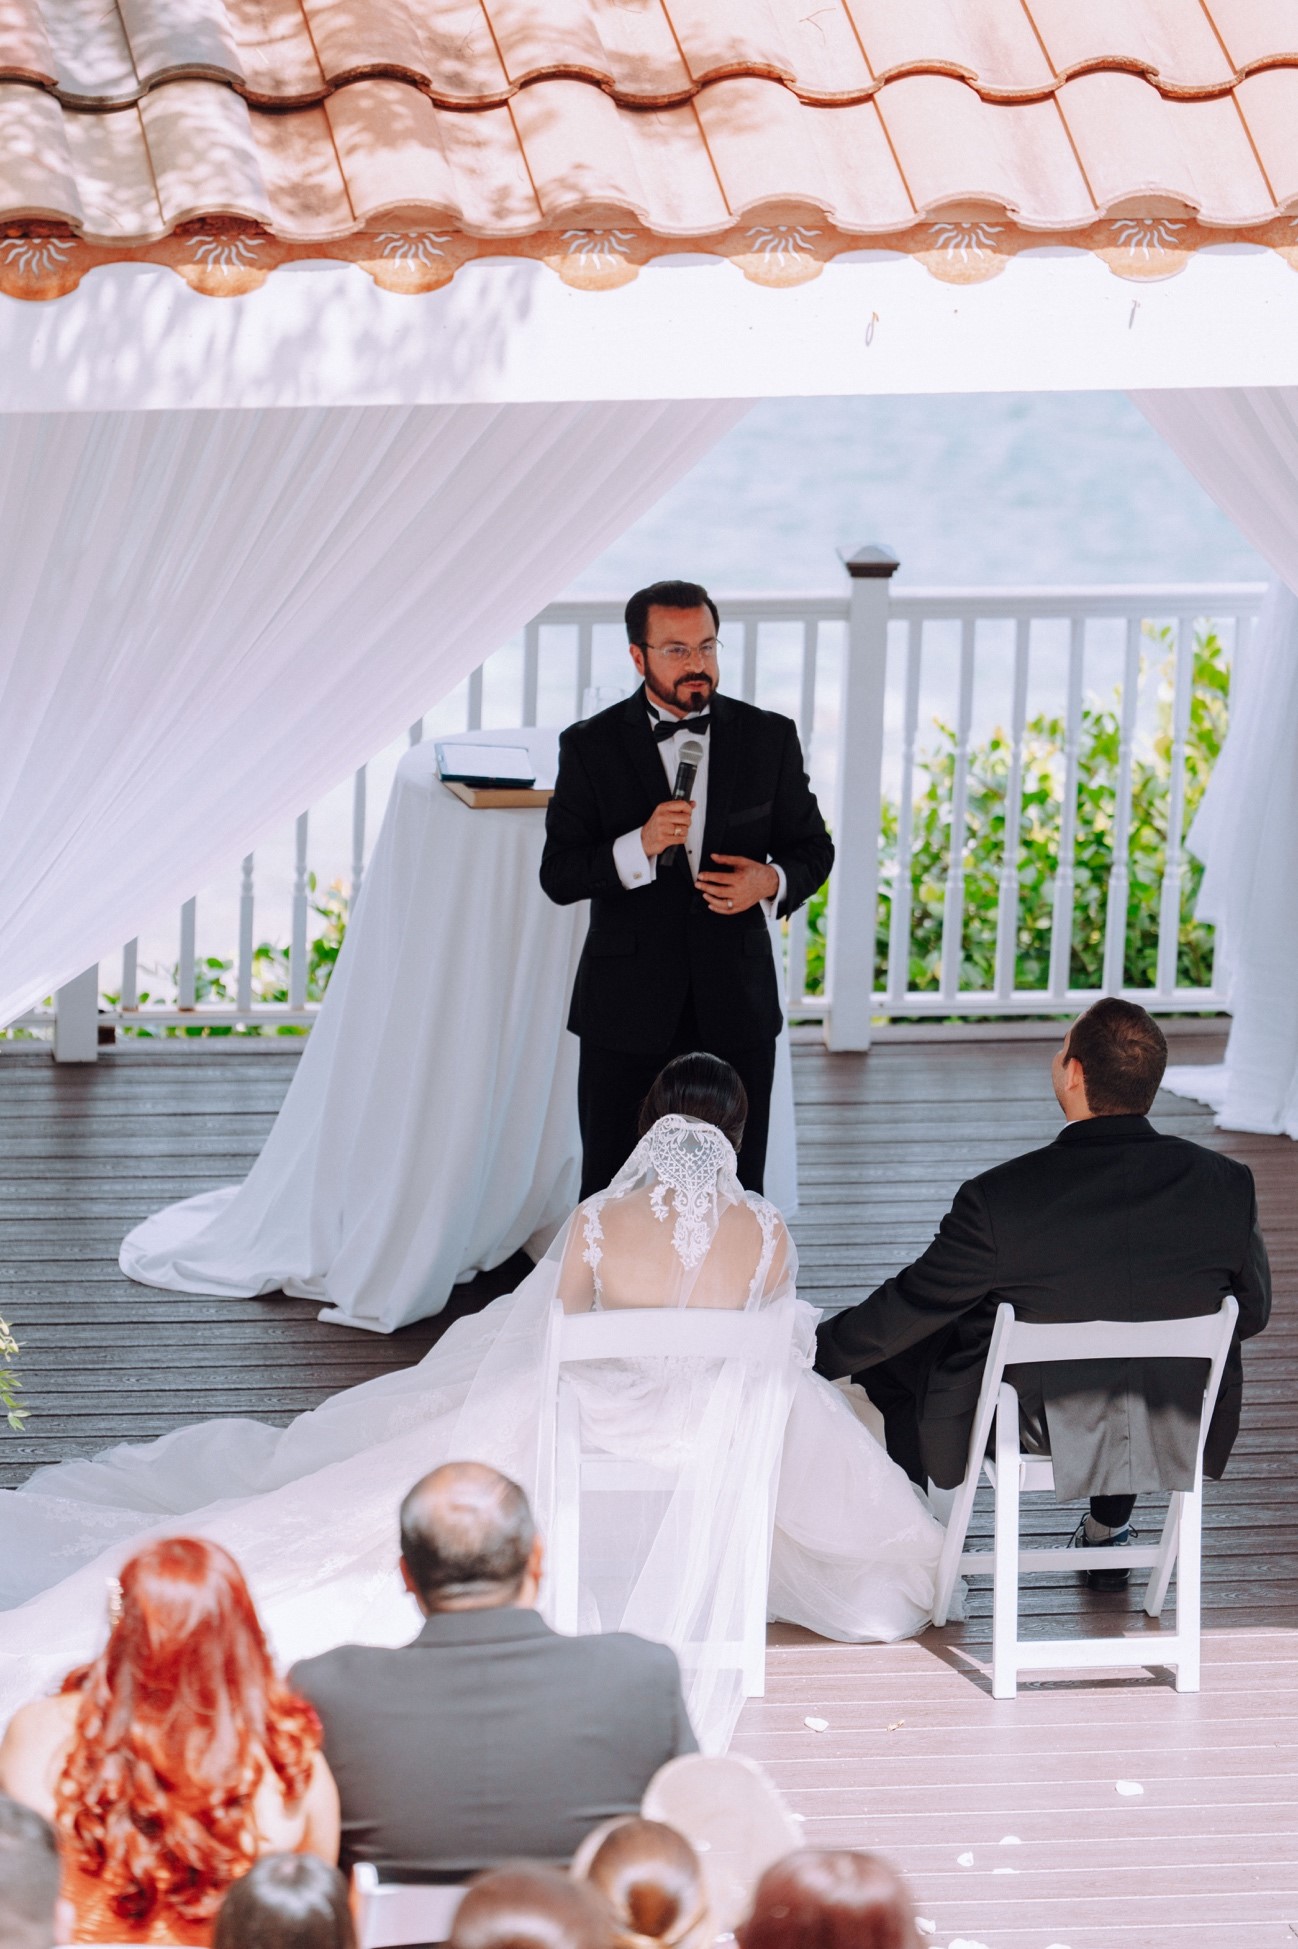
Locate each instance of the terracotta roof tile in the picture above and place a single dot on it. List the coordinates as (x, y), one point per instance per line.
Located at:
(1135, 146)
(953, 148)
(1169, 41)
(993, 46)
(224, 136)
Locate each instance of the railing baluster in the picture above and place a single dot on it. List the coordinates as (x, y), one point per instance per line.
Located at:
(1118, 893)
(358, 837)
(187, 970)
(953, 901)
(130, 976)
(1169, 905)
(475, 700)
(899, 918)
(531, 663)
(1007, 892)
(243, 986)
(807, 692)
(297, 952)
(748, 676)
(1061, 923)
(585, 663)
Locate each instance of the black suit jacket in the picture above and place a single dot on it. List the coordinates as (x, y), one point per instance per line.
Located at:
(491, 1737)
(646, 948)
(1111, 1221)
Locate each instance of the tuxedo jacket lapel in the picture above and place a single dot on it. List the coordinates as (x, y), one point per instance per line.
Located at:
(723, 768)
(642, 752)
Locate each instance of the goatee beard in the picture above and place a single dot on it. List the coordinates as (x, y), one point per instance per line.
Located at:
(670, 698)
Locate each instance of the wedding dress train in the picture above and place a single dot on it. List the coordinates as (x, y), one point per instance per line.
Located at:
(310, 1510)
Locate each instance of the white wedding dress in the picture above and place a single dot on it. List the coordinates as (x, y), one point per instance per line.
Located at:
(310, 1511)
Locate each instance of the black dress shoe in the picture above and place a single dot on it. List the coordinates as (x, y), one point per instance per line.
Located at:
(1110, 1578)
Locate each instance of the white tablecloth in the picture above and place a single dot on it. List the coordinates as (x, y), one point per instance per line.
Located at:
(431, 1126)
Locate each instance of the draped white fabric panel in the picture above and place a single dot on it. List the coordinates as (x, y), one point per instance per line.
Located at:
(209, 618)
(1242, 446)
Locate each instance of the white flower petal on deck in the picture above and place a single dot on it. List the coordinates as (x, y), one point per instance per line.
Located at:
(1128, 1787)
(963, 1861)
(966, 1942)
(1004, 1871)
(925, 1925)
(816, 1725)
(1010, 1840)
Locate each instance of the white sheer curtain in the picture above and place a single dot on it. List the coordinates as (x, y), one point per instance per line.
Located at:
(1241, 444)
(209, 618)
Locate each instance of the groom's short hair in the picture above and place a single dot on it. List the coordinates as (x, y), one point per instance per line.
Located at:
(1123, 1054)
(466, 1531)
(665, 595)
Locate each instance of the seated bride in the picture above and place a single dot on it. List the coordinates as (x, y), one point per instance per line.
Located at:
(309, 1510)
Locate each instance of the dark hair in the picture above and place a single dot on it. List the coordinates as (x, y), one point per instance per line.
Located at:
(701, 1086)
(29, 1876)
(286, 1901)
(665, 595)
(823, 1898)
(1123, 1054)
(651, 1878)
(524, 1905)
(466, 1531)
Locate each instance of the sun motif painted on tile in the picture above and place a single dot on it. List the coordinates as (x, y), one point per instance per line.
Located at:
(35, 256)
(226, 252)
(598, 247)
(1148, 234)
(413, 246)
(967, 241)
(781, 240)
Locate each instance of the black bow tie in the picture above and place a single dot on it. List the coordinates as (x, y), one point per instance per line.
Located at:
(667, 727)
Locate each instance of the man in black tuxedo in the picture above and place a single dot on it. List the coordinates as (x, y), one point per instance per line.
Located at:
(1111, 1221)
(678, 955)
(490, 1736)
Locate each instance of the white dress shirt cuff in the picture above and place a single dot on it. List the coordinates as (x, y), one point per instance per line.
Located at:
(770, 907)
(634, 868)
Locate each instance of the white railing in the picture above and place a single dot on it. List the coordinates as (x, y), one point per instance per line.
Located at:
(867, 675)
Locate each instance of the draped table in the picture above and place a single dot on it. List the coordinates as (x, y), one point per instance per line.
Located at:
(430, 1129)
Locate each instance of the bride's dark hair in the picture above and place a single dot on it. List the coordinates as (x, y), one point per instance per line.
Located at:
(699, 1086)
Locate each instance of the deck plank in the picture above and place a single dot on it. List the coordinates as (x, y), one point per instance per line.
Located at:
(918, 1760)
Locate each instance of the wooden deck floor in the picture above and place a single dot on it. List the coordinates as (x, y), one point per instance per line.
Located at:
(917, 1759)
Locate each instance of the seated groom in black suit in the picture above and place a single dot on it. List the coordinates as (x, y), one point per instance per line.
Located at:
(1111, 1221)
(490, 1736)
(678, 956)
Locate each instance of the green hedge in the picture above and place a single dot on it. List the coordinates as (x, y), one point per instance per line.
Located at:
(1042, 811)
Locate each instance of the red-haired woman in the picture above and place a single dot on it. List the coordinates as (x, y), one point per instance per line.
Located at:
(175, 1758)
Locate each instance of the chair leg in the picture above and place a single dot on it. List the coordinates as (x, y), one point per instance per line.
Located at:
(565, 1537)
(1188, 1579)
(1005, 1575)
(1161, 1574)
(948, 1563)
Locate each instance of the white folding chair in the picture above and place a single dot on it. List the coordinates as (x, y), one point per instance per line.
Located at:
(388, 1914)
(1011, 1473)
(635, 1333)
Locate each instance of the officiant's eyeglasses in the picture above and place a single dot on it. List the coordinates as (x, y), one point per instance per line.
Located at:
(677, 652)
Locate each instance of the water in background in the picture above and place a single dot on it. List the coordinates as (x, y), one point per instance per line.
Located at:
(967, 489)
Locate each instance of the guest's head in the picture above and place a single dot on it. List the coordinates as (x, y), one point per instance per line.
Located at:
(699, 1086)
(29, 1879)
(177, 1721)
(523, 1905)
(1111, 1062)
(672, 631)
(286, 1901)
(651, 1879)
(829, 1898)
(468, 1542)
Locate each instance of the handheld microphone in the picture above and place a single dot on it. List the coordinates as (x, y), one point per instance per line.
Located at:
(686, 772)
